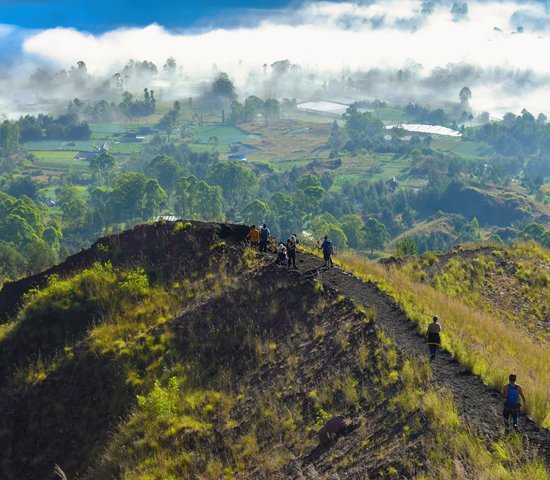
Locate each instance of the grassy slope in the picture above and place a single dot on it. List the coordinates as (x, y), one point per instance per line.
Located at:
(226, 370)
(482, 334)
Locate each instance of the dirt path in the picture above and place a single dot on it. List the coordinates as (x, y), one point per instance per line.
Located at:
(480, 405)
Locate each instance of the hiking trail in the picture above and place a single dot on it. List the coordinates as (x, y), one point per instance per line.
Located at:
(478, 404)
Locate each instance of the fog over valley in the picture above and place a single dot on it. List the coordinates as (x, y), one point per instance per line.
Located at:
(397, 51)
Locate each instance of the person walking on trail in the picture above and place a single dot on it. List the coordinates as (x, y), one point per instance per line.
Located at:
(264, 237)
(253, 236)
(328, 249)
(291, 245)
(433, 338)
(512, 393)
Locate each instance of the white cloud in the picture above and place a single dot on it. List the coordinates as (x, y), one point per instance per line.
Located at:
(327, 34)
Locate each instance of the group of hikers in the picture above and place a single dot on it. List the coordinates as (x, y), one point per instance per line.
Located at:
(512, 392)
(286, 252)
(286, 255)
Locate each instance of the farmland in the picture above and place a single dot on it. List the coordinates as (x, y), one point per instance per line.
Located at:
(295, 139)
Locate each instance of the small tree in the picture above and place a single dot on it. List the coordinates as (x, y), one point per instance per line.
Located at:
(376, 235)
(406, 246)
(256, 212)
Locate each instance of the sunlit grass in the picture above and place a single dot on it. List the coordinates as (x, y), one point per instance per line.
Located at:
(486, 346)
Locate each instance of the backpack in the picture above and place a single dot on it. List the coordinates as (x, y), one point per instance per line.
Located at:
(512, 398)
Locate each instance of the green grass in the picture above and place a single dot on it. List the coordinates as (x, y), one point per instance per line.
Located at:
(225, 134)
(461, 147)
(133, 393)
(108, 128)
(58, 161)
(484, 344)
(57, 155)
(124, 148)
(100, 136)
(209, 147)
(78, 145)
(372, 167)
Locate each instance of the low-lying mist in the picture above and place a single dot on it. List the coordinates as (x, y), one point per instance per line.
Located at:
(397, 51)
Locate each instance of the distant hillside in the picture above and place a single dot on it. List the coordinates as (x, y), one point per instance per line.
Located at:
(489, 207)
(174, 351)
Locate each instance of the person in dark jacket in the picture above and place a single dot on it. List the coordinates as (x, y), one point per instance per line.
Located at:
(291, 246)
(264, 237)
(328, 248)
(433, 339)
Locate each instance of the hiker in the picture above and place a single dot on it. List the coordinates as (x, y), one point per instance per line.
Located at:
(253, 236)
(291, 245)
(264, 237)
(281, 254)
(433, 338)
(328, 249)
(511, 392)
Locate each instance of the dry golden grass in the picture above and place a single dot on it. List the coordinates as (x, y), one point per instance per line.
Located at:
(481, 343)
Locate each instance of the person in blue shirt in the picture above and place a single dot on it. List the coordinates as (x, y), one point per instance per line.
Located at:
(327, 248)
(264, 237)
(512, 392)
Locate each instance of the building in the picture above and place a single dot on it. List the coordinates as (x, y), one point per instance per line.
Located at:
(237, 157)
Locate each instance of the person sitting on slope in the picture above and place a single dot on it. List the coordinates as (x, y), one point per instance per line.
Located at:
(281, 254)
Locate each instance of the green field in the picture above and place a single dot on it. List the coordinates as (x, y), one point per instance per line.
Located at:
(109, 128)
(225, 134)
(74, 146)
(372, 167)
(462, 147)
(61, 155)
(124, 148)
(209, 147)
(60, 166)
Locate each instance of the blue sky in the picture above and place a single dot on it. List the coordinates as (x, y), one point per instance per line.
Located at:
(102, 15)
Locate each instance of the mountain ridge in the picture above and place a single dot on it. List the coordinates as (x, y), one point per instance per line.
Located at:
(231, 371)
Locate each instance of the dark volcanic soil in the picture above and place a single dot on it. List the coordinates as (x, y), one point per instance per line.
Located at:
(480, 405)
(164, 252)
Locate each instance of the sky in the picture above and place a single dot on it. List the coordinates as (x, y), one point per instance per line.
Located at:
(500, 47)
(98, 16)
